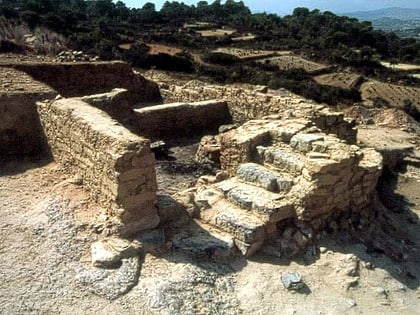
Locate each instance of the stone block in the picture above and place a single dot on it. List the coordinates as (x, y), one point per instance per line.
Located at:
(263, 177)
(303, 142)
(283, 158)
(242, 225)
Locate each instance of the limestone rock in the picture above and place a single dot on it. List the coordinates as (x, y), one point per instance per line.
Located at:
(108, 253)
(292, 281)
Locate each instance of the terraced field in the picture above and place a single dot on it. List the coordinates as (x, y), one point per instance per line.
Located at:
(342, 80)
(216, 32)
(395, 95)
(289, 62)
(245, 53)
(159, 48)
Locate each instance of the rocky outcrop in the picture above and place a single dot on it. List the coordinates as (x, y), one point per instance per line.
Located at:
(117, 166)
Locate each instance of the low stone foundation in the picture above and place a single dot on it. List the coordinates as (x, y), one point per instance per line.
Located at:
(20, 131)
(245, 105)
(117, 166)
(181, 119)
(85, 78)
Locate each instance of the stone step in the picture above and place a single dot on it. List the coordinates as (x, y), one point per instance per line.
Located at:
(283, 158)
(265, 178)
(203, 241)
(268, 206)
(241, 224)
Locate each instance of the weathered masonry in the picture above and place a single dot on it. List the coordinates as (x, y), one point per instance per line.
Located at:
(20, 130)
(246, 104)
(117, 166)
(283, 170)
(181, 119)
(283, 160)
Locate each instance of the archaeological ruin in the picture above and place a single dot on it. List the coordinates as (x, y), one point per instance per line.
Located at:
(282, 161)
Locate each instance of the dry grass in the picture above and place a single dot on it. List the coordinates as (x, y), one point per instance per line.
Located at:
(342, 80)
(158, 49)
(395, 95)
(245, 53)
(216, 32)
(295, 62)
(126, 46)
(246, 37)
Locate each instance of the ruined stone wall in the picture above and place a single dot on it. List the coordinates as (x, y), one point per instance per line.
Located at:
(283, 174)
(84, 78)
(117, 166)
(181, 119)
(329, 175)
(20, 132)
(245, 105)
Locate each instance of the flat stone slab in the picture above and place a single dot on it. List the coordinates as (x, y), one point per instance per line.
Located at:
(283, 158)
(243, 225)
(203, 241)
(264, 178)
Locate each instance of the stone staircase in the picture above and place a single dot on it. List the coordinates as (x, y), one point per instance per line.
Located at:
(249, 205)
(282, 172)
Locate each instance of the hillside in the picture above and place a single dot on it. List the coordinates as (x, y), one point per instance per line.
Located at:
(394, 13)
(202, 159)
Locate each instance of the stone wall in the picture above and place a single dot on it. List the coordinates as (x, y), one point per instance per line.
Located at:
(283, 173)
(20, 132)
(245, 104)
(329, 175)
(85, 78)
(181, 119)
(117, 166)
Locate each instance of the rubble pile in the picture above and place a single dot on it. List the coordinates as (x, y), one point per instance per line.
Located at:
(73, 56)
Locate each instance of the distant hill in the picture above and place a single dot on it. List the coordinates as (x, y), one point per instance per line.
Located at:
(403, 22)
(392, 24)
(395, 13)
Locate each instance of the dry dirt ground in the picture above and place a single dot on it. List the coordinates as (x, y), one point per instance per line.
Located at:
(295, 62)
(245, 53)
(46, 232)
(341, 80)
(394, 94)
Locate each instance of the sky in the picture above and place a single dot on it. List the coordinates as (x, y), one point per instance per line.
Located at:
(283, 7)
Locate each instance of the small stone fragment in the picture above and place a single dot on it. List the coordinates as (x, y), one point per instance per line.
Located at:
(352, 283)
(108, 253)
(77, 180)
(381, 291)
(292, 281)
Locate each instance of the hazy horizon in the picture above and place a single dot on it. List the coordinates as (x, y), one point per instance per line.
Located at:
(283, 7)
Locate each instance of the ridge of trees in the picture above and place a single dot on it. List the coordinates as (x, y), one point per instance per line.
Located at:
(100, 27)
(323, 34)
